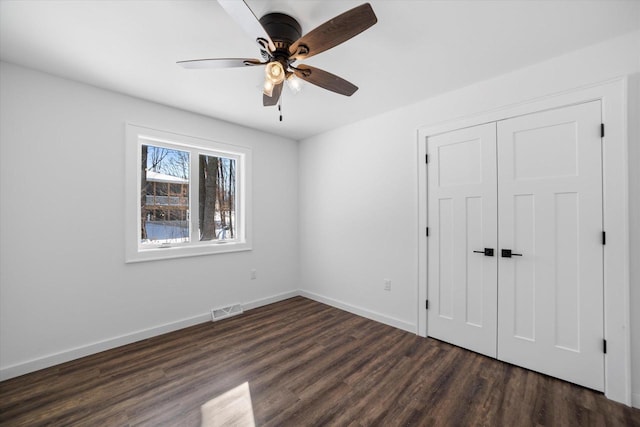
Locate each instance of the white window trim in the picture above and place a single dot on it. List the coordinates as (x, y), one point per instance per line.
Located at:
(137, 135)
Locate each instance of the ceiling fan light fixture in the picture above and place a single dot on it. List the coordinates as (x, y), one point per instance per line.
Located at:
(267, 88)
(275, 72)
(294, 83)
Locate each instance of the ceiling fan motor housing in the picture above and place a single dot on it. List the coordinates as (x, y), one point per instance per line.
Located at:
(283, 30)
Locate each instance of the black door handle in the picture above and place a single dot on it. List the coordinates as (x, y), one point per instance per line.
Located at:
(506, 253)
(486, 252)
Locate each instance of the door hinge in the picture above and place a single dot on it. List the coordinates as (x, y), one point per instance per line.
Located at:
(426, 304)
(427, 232)
(604, 346)
(426, 158)
(601, 130)
(604, 238)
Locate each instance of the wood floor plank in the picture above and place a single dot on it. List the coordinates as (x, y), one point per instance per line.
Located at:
(305, 364)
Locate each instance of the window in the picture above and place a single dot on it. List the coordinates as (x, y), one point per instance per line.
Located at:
(186, 196)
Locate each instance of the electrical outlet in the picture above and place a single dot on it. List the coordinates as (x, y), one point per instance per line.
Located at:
(387, 285)
(253, 274)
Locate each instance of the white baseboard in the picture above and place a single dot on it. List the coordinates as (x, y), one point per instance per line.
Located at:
(387, 320)
(86, 350)
(635, 400)
(269, 300)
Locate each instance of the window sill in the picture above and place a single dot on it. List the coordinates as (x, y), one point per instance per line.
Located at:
(160, 253)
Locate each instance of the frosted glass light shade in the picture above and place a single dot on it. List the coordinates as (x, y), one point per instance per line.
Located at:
(275, 72)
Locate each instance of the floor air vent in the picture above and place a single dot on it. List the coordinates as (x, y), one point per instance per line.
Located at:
(224, 312)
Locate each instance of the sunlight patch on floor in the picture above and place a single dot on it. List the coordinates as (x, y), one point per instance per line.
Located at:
(233, 408)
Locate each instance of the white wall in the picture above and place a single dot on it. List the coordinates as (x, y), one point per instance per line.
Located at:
(634, 228)
(65, 290)
(358, 187)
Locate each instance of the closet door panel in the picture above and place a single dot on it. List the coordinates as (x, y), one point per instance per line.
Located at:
(550, 306)
(462, 219)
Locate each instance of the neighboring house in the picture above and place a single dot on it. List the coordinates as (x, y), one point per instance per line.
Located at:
(166, 198)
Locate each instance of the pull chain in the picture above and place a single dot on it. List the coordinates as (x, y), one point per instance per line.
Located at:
(280, 108)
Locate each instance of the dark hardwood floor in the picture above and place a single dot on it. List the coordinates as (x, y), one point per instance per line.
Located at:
(305, 364)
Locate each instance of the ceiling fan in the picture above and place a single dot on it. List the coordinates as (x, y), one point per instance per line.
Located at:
(279, 37)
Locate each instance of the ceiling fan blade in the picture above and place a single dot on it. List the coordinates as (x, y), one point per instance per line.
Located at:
(333, 32)
(268, 101)
(220, 63)
(244, 16)
(325, 80)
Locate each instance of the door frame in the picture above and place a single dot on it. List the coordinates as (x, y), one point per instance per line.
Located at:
(615, 200)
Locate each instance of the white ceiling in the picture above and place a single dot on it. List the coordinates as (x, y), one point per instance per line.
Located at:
(418, 49)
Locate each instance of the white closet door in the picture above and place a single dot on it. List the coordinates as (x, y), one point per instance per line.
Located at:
(550, 299)
(462, 208)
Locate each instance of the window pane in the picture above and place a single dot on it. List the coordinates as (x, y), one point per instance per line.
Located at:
(217, 197)
(164, 196)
